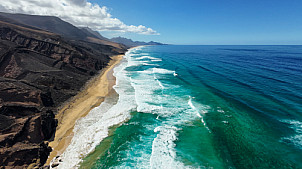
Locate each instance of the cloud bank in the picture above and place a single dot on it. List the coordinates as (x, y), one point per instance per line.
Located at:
(78, 12)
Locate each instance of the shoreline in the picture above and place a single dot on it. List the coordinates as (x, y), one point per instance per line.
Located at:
(91, 96)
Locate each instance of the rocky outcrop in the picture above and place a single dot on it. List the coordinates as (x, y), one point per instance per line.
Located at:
(39, 70)
(23, 130)
(56, 49)
(26, 121)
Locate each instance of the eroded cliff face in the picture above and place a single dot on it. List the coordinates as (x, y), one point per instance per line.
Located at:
(38, 72)
(55, 48)
(23, 130)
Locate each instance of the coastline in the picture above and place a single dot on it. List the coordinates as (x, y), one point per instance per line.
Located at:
(91, 96)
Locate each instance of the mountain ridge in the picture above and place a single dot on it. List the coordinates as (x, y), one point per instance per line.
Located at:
(131, 43)
(44, 61)
(39, 71)
(56, 25)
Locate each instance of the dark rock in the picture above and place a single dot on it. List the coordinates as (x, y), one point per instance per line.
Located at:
(49, 124)
(54, 165)
(46, 99)
(39, 71)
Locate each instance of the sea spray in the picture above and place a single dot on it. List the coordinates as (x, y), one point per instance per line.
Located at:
(296, 138)
(90, 130)
(215, 113)
(154, 96)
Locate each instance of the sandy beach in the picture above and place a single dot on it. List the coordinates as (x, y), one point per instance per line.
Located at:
(91, 96)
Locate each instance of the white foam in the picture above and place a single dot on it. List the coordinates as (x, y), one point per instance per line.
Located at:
(146, 84)
(146, 54)
(193, 107)
(295, 139)
(150, 64)
(162, 71)
(146, 92)
(177, 111)
(200, 113)
(191, 104)
(90, 130)
(153, 59)
(163, 154)
(175, 108)
(156, 60)
(220, 111)
(160, 84)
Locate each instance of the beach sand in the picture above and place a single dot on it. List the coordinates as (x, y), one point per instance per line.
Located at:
(91, 96)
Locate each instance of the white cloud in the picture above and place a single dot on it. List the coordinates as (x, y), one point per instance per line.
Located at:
(78, 12)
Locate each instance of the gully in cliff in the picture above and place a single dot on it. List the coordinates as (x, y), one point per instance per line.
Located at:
(39, 71)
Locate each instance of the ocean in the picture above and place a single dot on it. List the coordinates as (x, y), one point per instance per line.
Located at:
(197, 107)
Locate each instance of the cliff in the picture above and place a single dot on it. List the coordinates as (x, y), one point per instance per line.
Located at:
(58, 26)
(39, 70)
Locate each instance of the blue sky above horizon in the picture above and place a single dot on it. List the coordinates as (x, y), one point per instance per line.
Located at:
(211, 22)
(197, 22)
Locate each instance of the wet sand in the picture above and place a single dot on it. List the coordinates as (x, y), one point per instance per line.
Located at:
(92, 95)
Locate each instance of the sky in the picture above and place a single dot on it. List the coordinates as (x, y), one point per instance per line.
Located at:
(189, 22)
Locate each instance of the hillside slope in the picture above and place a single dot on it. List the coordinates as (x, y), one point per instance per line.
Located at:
(39, 70)
(58, 26)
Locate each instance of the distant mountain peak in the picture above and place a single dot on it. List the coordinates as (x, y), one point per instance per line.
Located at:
(131, 43)
(58, 26)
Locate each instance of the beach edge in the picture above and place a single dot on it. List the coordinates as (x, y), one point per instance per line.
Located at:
(91, 96)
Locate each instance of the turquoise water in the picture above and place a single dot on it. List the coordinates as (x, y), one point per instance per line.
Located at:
(207, 107)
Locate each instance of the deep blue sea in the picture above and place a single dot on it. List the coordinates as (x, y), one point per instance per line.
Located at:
(205, 107)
